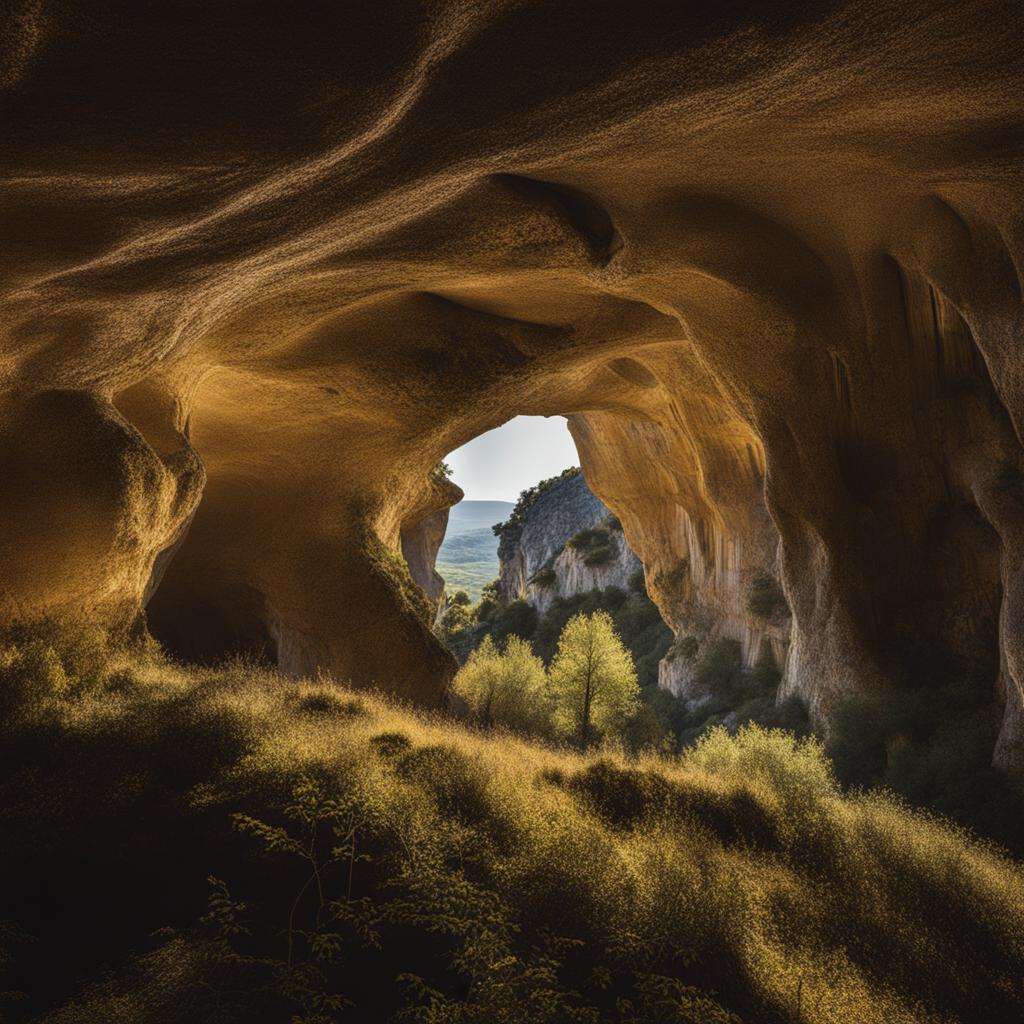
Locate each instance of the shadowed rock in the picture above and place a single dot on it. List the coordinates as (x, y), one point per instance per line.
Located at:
(766, 257)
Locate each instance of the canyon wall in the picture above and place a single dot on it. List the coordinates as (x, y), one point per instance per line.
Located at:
(542, 557)
(259, 274)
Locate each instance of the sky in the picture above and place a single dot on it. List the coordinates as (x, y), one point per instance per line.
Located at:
(497, 465)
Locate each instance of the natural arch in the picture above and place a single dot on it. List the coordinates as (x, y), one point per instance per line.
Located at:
(778, 296)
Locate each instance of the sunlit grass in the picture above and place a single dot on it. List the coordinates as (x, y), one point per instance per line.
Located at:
(738, 871)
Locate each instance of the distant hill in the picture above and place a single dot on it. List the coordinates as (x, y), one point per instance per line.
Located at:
(468, 558)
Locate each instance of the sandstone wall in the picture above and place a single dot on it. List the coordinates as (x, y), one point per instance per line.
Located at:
(258, 275)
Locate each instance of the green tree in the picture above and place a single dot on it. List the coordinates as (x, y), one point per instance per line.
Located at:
(507, 688)
(592, 681)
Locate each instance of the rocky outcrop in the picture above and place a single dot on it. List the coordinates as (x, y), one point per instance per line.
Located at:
(567, 543)
(766, 257)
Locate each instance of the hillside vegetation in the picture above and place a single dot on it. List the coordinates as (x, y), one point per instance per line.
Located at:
(233, 846)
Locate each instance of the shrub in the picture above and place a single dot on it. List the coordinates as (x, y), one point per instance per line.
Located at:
(599, 556)
(519, 618)
(506, 688)
(391, 744)
(589, 539)
(497, 880)
(687, 647)
(543, 577)
(765, 598)
(460, 599)
(720, 671)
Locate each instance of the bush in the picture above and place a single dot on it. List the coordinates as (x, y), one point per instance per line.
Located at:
(765, 598)
(497, 880)
(589, 539)
(543, 577)
(687, 647)
(599, 556)
(516, 619)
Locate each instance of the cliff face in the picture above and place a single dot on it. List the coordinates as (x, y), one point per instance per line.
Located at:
(539, 561)
(766, 257)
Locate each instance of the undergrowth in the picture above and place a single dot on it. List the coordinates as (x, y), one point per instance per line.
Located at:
(234, 846)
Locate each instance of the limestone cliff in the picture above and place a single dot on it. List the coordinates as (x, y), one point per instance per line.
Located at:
(257, 278)
(567, 543)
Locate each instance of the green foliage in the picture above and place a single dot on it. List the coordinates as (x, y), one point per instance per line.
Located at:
(728, 694)
(687, 647)
(592, 680)
(590, 539)
(506, 688)
(543, 577)
(391, 569)
(638, 582)
(518, 618)
(528, 498)
(489, 601)
(442, 471)
(599, 556)
(461, 598)
(765, 598)
(500, 881)
(933, 745)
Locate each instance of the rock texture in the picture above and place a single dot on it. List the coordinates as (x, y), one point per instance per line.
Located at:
(542, 542)
(766, 256)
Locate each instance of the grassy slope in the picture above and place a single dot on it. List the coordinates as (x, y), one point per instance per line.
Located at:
(501, 877)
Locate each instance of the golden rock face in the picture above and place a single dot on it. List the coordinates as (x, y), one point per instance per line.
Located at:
(766, 258)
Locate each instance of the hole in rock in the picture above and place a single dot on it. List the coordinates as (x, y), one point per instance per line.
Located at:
(531, 545)
(216, 623)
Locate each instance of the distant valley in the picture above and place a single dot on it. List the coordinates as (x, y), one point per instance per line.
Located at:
(468, 558)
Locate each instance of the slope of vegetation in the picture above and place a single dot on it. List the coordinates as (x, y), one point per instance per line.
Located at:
(234, 846)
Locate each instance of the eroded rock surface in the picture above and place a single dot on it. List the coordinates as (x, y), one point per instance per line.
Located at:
(539, 561)
(765, 256)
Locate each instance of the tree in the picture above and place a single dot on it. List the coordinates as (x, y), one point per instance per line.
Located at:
(506, 688)
(592, 679)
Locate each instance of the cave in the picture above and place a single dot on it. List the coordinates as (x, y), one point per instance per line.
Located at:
(776, 358)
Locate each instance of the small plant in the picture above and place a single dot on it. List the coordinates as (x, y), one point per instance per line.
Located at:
(687, 647)
(543, 577)
(323, 833)
(442, 471)
(587, 540)
(765, 598)
(599, 556)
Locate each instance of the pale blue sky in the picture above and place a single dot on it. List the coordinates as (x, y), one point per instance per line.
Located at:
(497, 465)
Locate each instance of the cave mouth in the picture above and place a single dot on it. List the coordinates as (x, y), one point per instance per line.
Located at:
(217, 624)
(495, 470)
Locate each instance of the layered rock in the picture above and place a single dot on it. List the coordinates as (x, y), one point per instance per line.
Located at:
(765, 256)
(543, 557)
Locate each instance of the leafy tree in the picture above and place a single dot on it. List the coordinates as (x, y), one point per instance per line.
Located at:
(507, 687)
(593, 681)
